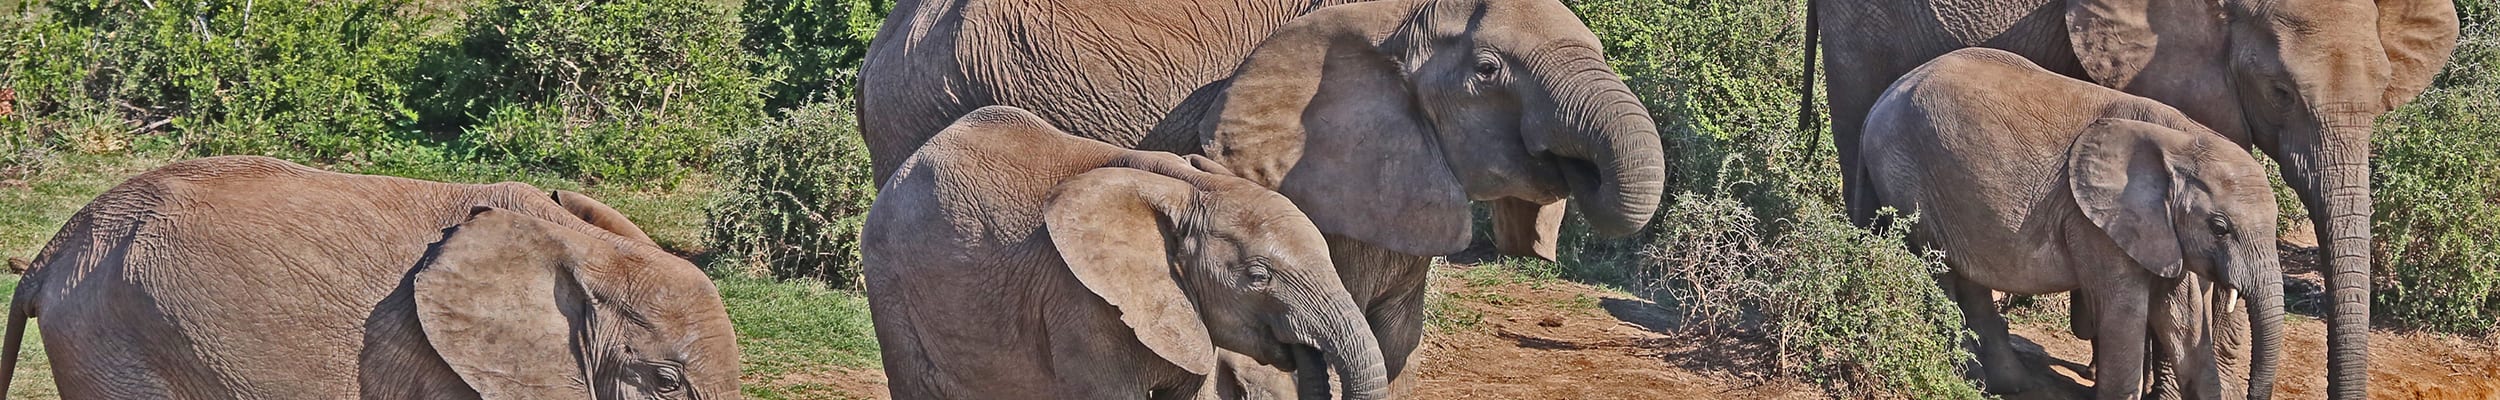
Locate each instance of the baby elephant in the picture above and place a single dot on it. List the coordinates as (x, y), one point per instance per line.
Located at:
(2033, 182)
(1007, 259)
(254, 278)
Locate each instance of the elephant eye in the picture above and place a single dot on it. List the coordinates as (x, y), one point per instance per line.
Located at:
(1257, 275)
(669, 380)
(1487, 65)
(2221, 226)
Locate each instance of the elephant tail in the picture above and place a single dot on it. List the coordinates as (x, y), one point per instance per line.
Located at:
(20, 308)
(1806, 120)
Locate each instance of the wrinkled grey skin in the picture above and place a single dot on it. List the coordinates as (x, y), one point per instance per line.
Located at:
(1007, 259)
(2033, 183)
(2301, 80)
(1382, 120)
(250, 277)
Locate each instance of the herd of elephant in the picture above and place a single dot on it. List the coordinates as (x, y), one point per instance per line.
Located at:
(1169, 199)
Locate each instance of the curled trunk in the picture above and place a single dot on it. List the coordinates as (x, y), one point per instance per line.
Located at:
(1614, 163)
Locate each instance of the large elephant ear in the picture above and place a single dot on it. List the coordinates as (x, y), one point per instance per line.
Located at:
(2418, 35)
(2113, 39)
(1113, 227)
(1320, 112)
(2121, 176)
(600, 215)
(499, 301)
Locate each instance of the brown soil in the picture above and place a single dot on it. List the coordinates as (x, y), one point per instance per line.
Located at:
(1546, 339)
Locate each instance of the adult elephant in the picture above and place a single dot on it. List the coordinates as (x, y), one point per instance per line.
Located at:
(1380, 120)
(2301, 80)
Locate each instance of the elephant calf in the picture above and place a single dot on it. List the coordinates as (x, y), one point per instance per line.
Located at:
(1008, 259)
(2033, 182)
(250, 277)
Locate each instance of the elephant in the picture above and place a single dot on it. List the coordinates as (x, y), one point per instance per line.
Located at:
(1380, 120)
(2033, 182)
(2301, 80)
(252, 277)
(1009, 259)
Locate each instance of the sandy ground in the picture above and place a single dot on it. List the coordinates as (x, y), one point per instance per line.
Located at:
(1532, 339)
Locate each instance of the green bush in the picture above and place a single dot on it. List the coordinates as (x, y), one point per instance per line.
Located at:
(631, 90)
(809, 47)
(2438, 195)
(793, 195)
(316, 80)
(1754, 246)
(1853, 310)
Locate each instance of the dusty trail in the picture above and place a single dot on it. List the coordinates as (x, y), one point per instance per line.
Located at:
(1522, 338)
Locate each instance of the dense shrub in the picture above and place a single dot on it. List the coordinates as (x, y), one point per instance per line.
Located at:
(1755, 246)
(793, 195)
(808, 47)
(314, 80)
(2437, 177)
(628, 90)
(1851, 309)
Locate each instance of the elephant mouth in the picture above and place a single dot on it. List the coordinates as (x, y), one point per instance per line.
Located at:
(1581, 177)
(1294, 357)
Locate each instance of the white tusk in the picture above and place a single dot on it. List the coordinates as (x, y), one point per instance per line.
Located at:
(2234, 305)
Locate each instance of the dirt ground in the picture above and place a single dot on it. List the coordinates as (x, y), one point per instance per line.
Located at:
(1549, 339)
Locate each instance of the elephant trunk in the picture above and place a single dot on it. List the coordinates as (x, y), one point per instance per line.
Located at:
(2263, 290)
(1340, 338)
(2332, 175)
(1611, 155)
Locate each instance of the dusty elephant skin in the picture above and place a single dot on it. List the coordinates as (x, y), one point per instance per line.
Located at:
(1007, 259)
(2302, 80)
(2032, 183)
(250, 277)
(1382, 120)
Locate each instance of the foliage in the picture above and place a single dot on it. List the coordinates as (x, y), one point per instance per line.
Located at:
(313, 79)
(1755, 246)
(2438, 198)
(794, 194)
(627, 90)
(1852, 309)
(809, 47)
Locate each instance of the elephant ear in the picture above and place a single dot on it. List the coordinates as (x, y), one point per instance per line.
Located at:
(2122, 179)
(1113, 227)
(2113, 39)
(499, 301)
(600, 215)
(2118, 41)
(1320, 111)
(2418, 35)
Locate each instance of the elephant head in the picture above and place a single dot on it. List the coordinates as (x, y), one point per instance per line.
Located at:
(2178, 201)
(1385, 118)
(2302, 80)
(1196, 260)
(520, 307)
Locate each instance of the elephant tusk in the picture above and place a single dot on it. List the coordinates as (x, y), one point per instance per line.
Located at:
(2234, 305)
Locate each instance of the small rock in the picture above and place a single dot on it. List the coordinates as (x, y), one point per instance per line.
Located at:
(1550, 321)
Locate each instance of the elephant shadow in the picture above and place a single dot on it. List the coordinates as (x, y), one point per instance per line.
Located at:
(1738, 354)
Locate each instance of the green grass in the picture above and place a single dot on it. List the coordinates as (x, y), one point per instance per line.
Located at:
(786, 329)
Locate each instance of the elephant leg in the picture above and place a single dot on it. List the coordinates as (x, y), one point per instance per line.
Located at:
(2118, 354)
(2183, 364)
(2079, 317)
(2005, 371)
(1527, 229)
